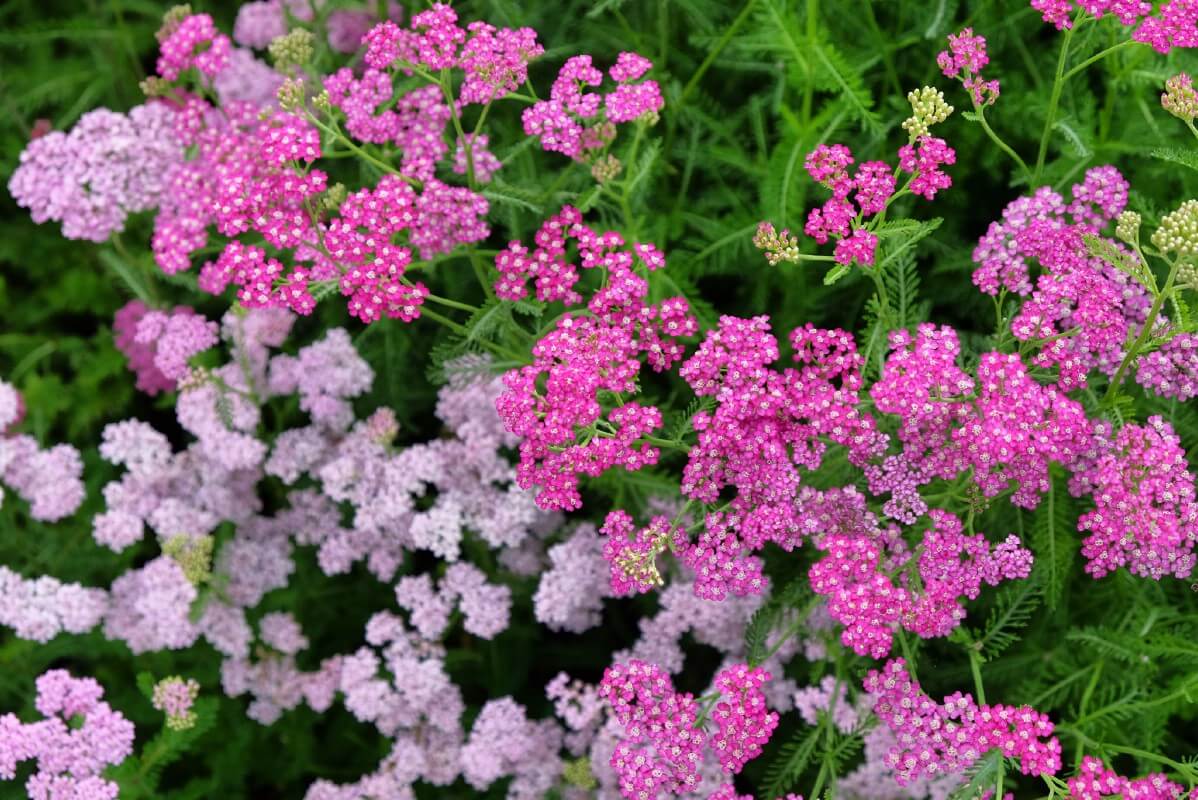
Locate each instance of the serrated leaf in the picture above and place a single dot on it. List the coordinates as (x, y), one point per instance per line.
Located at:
(983, 774)
(792, 759)
(1176, 155)
(757, 633)
(836, 273)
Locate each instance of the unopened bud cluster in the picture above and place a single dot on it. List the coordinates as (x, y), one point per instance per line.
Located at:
(777, 246)
(1179, 98)
(1178, 231)
(1127, 227)
(293, 49)
(193, 554)
(928, 108)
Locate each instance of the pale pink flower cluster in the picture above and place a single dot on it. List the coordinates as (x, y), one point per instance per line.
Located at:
(50, 480)
(79, 738)
(107, 167)
(42, 608)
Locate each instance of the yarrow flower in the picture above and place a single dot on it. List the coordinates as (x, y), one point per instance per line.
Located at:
(743, 725)
(1145, 515)
(107, 167)
(1180, 99)
(934, 738)
(78, 739)
(964, 60)
(661, 747)
(176, 697)
(1094, 781)
(1173, 24)
(582, 124)
(927, 109)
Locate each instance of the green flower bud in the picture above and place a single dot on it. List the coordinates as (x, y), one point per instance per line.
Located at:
(1127, 227)
(1178, 231)
(928, 108)
(293, 49)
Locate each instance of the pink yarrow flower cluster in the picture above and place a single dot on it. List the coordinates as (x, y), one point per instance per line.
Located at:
(660, 750)
(1094, 781)
(743, 725)
(1174, 24)
(564, 428)
(925, 599)
(870, 189)
(582, 124)
(192, 42)
(1002, 425)
(79, 738)
(964, 60)
(1145, 516)
(935, 738)
(1080, 310)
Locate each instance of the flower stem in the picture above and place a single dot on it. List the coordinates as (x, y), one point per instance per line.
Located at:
(1134, 351)
(1058, 83)
(994, 137)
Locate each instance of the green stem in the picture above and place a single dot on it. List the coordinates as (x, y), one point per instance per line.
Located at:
(1134, 351)
(714, 53)
(669, 444)
(461, 330)
(447, 90)
(975, 666)
(1058, 83)
(994, 137)
(341, 137)
(445, 301)
(1098, 57)
(1190, 125)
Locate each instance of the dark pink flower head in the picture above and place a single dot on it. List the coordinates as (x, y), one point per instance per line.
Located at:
(966, 53)
(193, 42)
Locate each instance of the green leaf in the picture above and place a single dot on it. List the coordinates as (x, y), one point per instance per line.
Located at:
(836, 273)
(1012, 612)
(757, 633)
(145, 684)
(1176, 155)
(792, 759)
(983, 775)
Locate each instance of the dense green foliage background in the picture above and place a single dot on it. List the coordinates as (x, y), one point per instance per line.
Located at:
(750, 89)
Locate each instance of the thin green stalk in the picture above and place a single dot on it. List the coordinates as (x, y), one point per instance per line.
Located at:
(975, 666)
(445, 301)
(1134, 351)
(994, 137)
(714, 53)
(1058, 83)
(447, 90)
(1098, 57)
(341, 137)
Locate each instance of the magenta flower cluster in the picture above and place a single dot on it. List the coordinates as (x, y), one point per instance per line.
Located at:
(1174, 24)
(582, 124)
(935, 738)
